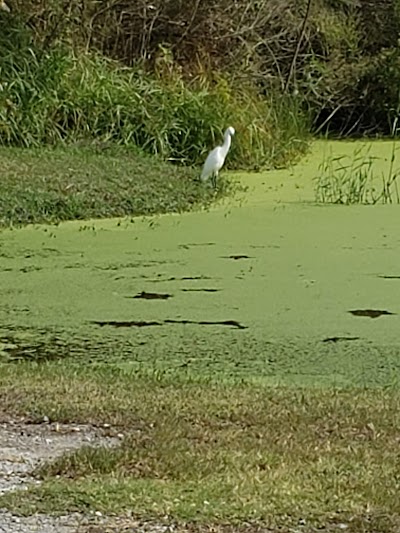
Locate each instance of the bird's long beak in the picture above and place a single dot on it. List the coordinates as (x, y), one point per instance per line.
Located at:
(4, 6)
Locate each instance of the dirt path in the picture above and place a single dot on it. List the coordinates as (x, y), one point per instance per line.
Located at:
(23, 447)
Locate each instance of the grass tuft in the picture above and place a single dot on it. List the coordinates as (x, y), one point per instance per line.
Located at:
(352, 180)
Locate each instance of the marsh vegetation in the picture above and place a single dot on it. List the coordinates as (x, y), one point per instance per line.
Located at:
(247, 355)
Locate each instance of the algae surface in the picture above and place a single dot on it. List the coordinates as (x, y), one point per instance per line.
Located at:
(263, 287)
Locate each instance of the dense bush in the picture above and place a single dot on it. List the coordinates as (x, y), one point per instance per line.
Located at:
(345, 70)
(56, 95)
(350, 76)
(346, 55)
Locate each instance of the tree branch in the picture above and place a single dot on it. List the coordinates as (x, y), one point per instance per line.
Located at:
(297, 50)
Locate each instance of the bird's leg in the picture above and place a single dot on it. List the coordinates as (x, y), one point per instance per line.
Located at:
(214, 179)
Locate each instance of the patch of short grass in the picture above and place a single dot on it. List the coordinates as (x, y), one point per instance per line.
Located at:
(98, 181)
(214, 453)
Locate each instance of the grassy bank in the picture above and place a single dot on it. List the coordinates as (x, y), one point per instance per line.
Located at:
(60, 95)
(55, 99)
(67, 183)
(214, 454)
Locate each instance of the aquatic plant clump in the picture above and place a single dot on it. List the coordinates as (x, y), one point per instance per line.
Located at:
(354, 179)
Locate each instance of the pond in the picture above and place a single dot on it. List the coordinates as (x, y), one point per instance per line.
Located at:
(269, 286)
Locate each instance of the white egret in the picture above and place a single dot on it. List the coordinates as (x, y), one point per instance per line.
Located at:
(4, 6)
(216, 158)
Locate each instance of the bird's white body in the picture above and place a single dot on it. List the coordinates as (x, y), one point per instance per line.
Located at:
(216, 158)
(4, 6)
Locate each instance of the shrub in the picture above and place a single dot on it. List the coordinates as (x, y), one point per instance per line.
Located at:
(57, 95)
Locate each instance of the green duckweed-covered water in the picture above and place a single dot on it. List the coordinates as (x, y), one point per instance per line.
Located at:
(257, 288)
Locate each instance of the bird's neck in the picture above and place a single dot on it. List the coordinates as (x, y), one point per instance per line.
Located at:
(227, 143)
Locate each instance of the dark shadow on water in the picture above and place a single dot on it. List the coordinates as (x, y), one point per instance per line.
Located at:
(131, 265)
(191, 244)
(126, 323)
(151, 296)
(340, 339)
(231, 323)
(371, 313)
(144, 323)
(183, 278)
(236, 257)
(36, 350)
(200, 290)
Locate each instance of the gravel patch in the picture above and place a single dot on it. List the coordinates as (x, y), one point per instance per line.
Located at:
(38, 523)
(23, 447)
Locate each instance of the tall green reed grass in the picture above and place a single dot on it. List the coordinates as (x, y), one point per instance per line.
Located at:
(56, 95)
(355, 180)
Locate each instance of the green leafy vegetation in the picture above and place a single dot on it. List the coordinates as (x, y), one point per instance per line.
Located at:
(56, 95)
(343, 63)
